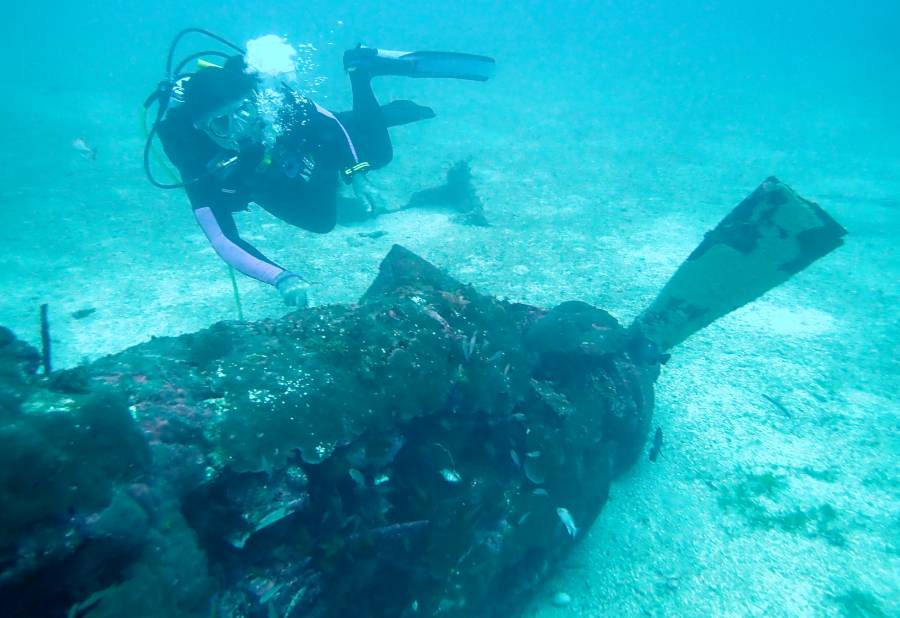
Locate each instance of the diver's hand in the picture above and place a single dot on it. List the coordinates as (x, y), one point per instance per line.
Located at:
(307, 166)
(369, 195)
(293, 289)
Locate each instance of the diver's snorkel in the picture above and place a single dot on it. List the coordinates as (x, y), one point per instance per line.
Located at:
(163, 94)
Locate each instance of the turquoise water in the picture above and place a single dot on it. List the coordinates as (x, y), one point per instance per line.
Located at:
(611, 139)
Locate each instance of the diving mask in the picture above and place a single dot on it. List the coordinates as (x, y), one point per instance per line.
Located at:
(233, 124)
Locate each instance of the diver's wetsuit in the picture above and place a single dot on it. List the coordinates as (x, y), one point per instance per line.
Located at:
(273, 179)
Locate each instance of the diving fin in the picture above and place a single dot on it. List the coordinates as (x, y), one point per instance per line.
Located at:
(419, 63)
(401, 112)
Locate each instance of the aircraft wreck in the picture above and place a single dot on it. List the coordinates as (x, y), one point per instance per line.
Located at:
(429, 451)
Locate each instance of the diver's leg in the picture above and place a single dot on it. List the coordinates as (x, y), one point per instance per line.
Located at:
(365, 105)
(317, 212)
(366, 122)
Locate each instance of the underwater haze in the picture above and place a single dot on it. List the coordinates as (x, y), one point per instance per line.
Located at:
(613, 136)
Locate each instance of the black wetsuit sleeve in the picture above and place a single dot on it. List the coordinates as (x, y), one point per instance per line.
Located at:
(366, 124)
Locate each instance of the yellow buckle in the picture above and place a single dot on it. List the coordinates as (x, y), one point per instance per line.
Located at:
(362, 166)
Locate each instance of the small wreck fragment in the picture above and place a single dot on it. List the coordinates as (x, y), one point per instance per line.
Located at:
(457, 193)
(430, 451)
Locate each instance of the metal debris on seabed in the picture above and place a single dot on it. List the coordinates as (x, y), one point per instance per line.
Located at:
(566, 518)
(45, 340)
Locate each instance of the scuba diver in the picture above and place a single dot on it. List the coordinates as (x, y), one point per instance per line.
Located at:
(215, 128)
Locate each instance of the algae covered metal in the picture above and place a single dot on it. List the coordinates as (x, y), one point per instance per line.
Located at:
(429, 451)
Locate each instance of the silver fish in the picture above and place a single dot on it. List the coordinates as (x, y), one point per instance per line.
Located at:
(566, 518)
(471, 348)
(84, 149)
(357, 477)
(451, 476)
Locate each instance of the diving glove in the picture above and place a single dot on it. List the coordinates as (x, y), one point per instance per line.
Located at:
(293, 289)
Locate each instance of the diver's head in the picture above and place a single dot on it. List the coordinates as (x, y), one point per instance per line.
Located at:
(221, 102)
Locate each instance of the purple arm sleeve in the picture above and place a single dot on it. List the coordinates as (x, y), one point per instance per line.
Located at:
(234, 251)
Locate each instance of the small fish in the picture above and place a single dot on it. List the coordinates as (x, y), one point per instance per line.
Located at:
(86, 607)
(534, 472)
(657, 444)
(451, 476)
(566, 518)
(780, 406)
(266, 467)
(373, 235)
(84, 149)
(357, 477)
(471, 348)
(515, 457)
(82, 313)
(402, 529)
(561, 599)
(270, 593)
